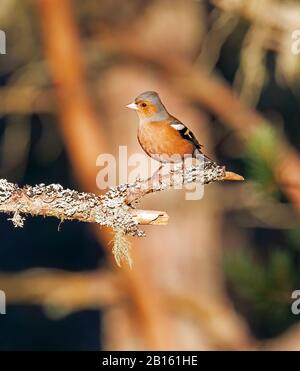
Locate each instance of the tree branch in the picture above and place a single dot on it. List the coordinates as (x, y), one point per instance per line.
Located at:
(113, 209)
(66, 204)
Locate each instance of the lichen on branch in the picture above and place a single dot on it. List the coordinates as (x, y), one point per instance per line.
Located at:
(113, 209)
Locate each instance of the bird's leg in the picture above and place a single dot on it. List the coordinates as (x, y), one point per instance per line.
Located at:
(183, 170)
(155, 173)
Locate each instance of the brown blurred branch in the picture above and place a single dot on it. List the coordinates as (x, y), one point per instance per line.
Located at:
(26, 100)
(76, 108)
(61, 292)
(279, 16)
(214, 321)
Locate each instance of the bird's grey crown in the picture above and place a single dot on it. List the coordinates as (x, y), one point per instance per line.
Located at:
(151, 96)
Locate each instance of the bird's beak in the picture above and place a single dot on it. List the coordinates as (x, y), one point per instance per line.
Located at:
(132, 106)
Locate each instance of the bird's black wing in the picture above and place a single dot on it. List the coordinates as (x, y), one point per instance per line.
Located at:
(186, 133)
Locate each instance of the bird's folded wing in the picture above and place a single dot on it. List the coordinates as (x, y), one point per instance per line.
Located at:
(185, 133)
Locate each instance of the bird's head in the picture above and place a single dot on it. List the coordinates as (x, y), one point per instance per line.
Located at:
(149, 107)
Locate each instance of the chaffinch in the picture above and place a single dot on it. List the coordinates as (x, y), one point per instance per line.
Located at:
(161, 135)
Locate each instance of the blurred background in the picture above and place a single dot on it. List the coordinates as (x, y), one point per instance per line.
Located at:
(221, 274)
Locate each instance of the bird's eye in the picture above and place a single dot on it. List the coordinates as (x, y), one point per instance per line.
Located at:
(143, 104)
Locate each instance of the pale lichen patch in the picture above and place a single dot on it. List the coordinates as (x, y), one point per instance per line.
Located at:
(113, 209)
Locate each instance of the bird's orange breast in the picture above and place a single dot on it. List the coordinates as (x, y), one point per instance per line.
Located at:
(163, 143)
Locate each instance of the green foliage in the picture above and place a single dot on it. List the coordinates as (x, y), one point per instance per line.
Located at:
(261, 159)
(264, 287)
(293, 236)
(262, 283)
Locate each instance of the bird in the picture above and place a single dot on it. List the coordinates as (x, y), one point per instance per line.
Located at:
(165, 138)
(162, 136)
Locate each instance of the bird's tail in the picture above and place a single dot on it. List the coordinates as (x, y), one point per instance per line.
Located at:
(199, 154)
